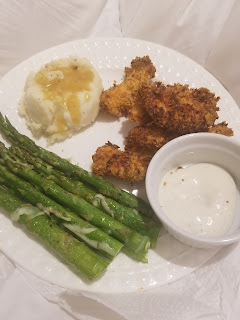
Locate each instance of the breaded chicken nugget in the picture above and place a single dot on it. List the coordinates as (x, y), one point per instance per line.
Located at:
(221, 128)
(109, 160)
(123, 99)
(148, 137)
(178, 108)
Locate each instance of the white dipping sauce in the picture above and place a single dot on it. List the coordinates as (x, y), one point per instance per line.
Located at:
(200, 198)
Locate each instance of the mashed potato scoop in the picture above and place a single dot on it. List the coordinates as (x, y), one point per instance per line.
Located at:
(61, 98)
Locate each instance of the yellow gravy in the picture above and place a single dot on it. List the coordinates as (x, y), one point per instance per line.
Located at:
(65, 86)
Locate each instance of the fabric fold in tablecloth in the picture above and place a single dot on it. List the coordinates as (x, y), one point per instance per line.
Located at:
(212, 292)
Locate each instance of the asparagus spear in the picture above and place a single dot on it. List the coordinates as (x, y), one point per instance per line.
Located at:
(90, 213)
(94, 237)
(74, 252)
(101, 185)
(128, 216)
(136, 245)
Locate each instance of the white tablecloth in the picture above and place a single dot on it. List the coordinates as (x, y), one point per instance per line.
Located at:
(207, 31)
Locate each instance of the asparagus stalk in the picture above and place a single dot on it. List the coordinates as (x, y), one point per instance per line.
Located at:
(94, 237)
(128, 216)
(101, 185)
(133, 240)
(74, 252)
(136, 245)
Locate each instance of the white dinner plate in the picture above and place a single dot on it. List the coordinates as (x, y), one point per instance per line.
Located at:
(171, 260)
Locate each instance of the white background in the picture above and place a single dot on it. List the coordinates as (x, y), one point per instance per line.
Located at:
(206, 31)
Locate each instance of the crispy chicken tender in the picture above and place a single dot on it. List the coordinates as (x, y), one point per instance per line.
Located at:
(109, 160)
(123, 99)
(221, 128)
(178, 108)
(147, 138)
(164, 112)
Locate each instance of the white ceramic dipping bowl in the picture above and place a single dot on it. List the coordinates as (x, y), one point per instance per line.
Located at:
(191, 149)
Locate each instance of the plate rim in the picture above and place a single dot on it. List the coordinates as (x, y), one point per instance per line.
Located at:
(120, 39)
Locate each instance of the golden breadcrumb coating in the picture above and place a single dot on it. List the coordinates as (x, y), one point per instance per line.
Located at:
(123, 99)
(221, 128)
(141, 69)
(147, 138)
(109, 160)
(178, 108)
(164, 112)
